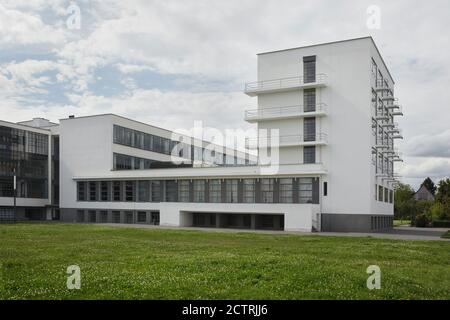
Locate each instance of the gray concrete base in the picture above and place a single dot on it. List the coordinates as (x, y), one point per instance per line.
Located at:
(333, 222)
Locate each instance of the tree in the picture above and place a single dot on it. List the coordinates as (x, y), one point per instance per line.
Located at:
(429, 184)
(403, 192)
(404, 205)
(443, 191)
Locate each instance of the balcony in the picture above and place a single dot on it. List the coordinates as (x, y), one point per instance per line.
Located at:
(284, 84)
(397, 111)
(390, 124)
(288, 141)
(278, 113)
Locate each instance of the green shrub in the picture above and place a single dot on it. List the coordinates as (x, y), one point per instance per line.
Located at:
(441, 223)
(421, 220)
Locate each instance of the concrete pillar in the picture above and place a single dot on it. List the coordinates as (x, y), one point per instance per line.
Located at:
(218, 220)
(253, 221)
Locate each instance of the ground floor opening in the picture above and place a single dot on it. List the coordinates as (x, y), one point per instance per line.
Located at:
(9, 214)
(238, 221)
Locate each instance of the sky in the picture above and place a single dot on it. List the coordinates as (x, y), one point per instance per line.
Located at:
(170, 63)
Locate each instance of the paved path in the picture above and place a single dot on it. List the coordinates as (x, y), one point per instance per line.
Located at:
(399, 233)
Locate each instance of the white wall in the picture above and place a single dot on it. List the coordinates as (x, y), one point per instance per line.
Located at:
(297, 217)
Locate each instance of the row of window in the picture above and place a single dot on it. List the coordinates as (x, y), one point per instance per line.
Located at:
(384, 194)
(150, 142)
(126, 162)
(265, 190)
(115, 216)
(13, 139)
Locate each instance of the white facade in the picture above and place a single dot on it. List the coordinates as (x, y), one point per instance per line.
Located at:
(336, 151)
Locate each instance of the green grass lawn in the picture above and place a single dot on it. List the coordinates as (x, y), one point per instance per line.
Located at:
(402, 222)
(130, 263)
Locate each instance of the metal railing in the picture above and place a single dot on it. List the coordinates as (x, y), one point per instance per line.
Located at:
(253, 143)
(283, 111)
(281, 83)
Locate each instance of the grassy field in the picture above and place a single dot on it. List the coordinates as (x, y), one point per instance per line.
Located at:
(129, 263)
(401, 222)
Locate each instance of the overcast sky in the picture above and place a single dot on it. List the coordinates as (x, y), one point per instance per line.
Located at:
(169, 63)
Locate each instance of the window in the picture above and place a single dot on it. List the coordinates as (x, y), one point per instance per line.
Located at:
(309, 129)
(81, 186)
(380, 193)
(286, 190)
(104, 191)
(386, 195)
(391, 196)
(92, 191)
(171, 191)
(183, 191)
(156, 190)
(309, 154)
(325, 188)
(143, 191)
(231, 190)
(199, 190)
(267, 190)
(122, 162)
(215, 191)
(305, 190)
(141, 216)
(249, 190)
(117, 194)
(309, 100)
(309, 69)
(129, 191)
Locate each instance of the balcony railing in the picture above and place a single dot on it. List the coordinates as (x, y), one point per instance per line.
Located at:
(288, 141)
(281, 84)
(289, 111)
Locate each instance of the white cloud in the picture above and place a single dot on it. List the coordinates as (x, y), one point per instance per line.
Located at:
(132, 68)
(26, 28)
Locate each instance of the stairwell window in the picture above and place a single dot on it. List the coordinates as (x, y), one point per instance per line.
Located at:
(309, 129)
(309, 100)
(309, 69)
(309, 154)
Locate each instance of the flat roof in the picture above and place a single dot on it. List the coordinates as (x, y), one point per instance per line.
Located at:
(334, 42)
(24, 127)
(294, 170)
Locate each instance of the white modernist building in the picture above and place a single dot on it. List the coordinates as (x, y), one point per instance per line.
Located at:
(326, 110)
